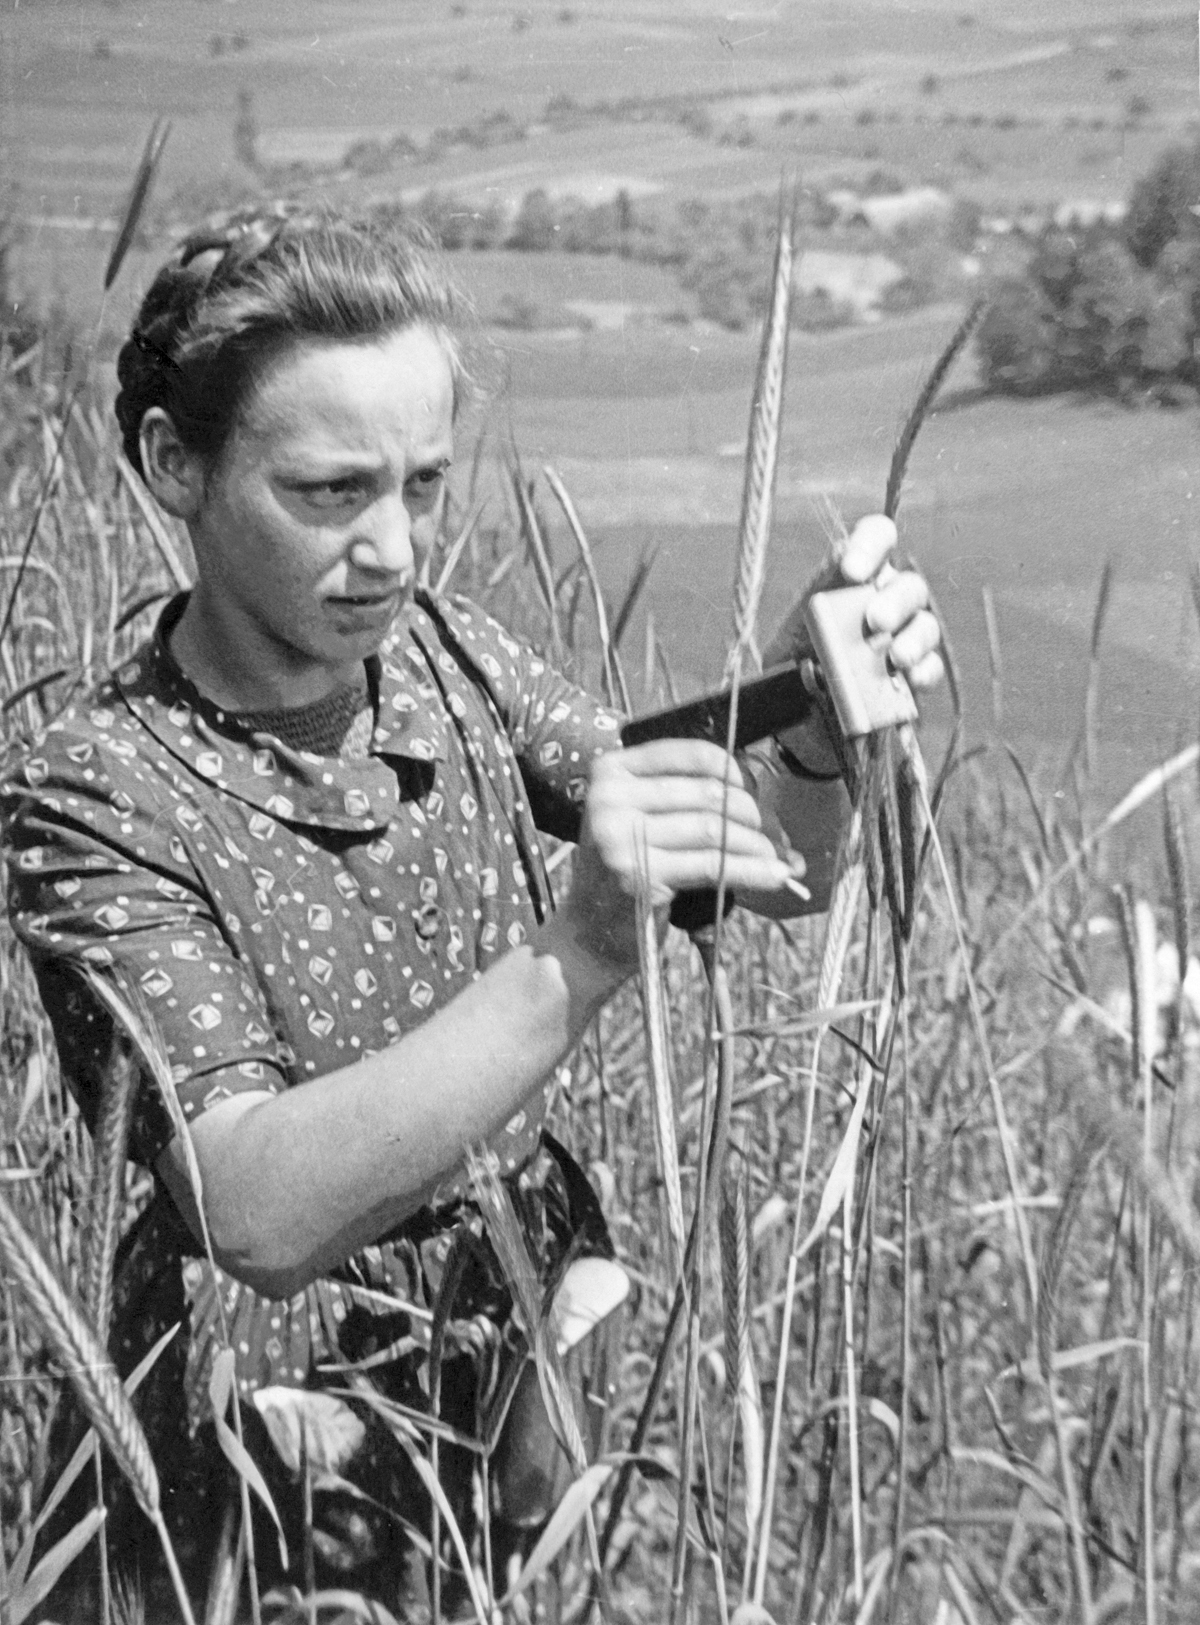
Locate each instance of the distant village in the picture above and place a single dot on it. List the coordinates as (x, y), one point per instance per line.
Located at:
(892, 212)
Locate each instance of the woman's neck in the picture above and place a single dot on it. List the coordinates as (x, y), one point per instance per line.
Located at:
(243, 669)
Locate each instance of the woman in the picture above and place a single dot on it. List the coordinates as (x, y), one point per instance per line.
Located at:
(303, 823)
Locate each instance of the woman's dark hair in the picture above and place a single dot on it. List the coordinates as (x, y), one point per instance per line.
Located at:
(229, 300)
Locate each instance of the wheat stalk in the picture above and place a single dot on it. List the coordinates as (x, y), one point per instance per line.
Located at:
(995, 659)
(100, 1239)
(1086, 738)
(461, 541)
(108, 1186)
(762, 450)
(839, 926)
(1003, 1128)
(452, 1274)
(923, 405)
(851, 1366)
(634, 588)
(132, 1015)
(143, 179)
(134, 208)
(91, 1374)
(1146, 1023)
(658, 1051)
(762, 454)
(1103, 598)
(1053, 1256)
(1179, 875)
(714, 1134)
(710, 1169)
(734, 1233)
(906, 1314)
(666, 1343)
(541, 559)
(614, 679)
(84, 1361)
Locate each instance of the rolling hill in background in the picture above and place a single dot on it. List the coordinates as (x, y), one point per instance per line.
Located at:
(1015, 104)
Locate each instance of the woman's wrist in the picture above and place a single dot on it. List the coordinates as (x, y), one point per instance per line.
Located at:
(595, 958)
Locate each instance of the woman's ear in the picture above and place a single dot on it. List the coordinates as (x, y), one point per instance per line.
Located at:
(174, 474)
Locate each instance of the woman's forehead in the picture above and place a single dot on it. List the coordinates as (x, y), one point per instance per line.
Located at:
(401, 383)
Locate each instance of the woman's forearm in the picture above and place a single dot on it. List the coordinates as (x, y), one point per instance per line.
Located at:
(295, 1183)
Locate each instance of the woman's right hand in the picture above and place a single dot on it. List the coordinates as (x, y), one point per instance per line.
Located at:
(653, 821)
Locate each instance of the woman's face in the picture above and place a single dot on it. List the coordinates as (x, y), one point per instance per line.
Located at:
(316, 515)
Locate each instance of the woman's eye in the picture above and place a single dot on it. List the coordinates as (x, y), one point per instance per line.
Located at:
(426, 482)
(332, 493)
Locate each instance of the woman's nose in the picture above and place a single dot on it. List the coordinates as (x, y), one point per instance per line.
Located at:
(383, 545)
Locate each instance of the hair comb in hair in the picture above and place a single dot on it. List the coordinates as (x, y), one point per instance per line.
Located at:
(195, 246)
(242, 237)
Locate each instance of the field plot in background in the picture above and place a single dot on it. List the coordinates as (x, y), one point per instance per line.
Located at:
(1007, 103)
(954, 91)
(1010, 104)
(569, 290)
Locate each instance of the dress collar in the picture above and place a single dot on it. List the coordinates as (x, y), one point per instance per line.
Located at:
(298, 787)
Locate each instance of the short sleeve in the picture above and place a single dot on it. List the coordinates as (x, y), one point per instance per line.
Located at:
(556, 728)
(97, 881)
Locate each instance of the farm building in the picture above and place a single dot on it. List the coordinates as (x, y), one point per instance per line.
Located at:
(893, 211)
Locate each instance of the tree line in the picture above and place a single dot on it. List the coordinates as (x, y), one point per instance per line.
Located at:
(1112, 309)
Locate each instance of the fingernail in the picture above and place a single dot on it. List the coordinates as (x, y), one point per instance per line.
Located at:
(797, 890)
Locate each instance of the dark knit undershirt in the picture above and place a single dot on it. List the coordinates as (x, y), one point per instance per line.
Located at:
(338, 725)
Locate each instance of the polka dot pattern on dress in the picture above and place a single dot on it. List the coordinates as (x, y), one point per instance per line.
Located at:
(283, 913)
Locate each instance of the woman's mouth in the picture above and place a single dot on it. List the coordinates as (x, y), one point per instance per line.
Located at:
(371, 606)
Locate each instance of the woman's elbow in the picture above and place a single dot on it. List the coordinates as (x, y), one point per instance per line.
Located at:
(266, 1251)
(250, 1252)
(279, 1279)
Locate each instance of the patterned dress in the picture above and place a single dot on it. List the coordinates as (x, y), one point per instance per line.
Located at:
(284, 914)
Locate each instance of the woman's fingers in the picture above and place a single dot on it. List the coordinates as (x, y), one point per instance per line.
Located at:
(677, 795)
(674, 813)
(691, 871)
(704, 832)
(680, 758)
(927, 673)
(904, 595)
(919, 638)
(900, 610)
(869, 544)
(675, 776)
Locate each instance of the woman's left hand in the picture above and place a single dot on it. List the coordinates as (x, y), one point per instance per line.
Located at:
(899, 610)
